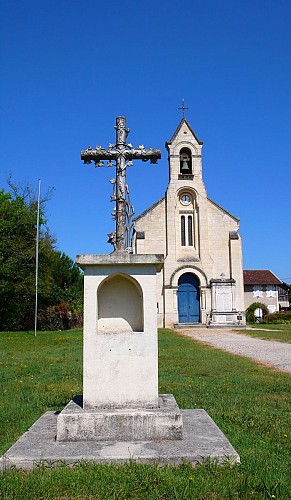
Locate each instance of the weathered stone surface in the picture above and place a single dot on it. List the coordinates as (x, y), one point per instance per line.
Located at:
(202, 440)
(122, 424)
(120, 367)
(117, 258)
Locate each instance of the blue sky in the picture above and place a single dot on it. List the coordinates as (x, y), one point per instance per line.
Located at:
(70, 67)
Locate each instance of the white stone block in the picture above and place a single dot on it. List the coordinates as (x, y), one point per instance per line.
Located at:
(127, 424)
(120, 366)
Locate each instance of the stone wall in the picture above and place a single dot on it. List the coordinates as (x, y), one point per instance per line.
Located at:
(215, 250)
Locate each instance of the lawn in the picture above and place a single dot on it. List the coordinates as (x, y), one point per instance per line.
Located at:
(250, 403)
(279, 332)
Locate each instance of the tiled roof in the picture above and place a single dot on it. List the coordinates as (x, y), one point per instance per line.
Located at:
(260, 277)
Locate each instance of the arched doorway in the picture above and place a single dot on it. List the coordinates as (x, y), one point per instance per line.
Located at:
(188, 298)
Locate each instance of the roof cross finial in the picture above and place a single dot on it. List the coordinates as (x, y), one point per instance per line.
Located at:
(183, 107)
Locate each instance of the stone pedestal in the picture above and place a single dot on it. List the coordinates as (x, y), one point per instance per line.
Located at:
(120, 367)
(126, 424)
(121, 416)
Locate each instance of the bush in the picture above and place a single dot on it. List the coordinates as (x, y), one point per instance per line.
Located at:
(279, 317)
(250, 316)
(59, 317)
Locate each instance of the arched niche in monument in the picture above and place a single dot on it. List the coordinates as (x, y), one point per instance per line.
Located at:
(120, 305)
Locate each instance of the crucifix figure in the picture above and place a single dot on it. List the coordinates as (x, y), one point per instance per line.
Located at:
(123, 154)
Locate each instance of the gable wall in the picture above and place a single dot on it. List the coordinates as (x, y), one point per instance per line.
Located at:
(153, 226)
(215, 255)
(219, 226)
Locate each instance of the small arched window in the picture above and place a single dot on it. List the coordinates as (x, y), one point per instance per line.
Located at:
(183, 234)
(186, 231)
(185, 161)
(190, 231)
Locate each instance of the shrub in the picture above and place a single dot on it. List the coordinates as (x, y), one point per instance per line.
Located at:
(59, 317)
(279, 317)
(250, 316)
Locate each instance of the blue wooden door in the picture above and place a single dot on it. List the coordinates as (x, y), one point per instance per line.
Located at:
(188, 299)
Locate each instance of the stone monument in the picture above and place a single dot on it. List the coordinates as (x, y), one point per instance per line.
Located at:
(120, 415)
(120, 364)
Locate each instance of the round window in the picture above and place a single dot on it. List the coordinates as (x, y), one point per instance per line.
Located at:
(185, 199)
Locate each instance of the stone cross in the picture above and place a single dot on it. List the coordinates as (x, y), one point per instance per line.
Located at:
(123, 154)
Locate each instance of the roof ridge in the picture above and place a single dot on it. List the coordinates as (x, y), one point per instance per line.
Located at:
(183, 120)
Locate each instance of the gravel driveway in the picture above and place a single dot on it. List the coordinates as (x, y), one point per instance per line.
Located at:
(270, 352)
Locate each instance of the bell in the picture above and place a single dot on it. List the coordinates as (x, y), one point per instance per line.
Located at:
(185, 167)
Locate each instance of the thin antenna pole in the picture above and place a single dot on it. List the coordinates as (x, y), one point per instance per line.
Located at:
(36, 258)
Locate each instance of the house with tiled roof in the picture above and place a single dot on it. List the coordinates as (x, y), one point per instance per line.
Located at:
(264, 286)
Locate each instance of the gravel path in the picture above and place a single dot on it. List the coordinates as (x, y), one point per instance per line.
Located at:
(276, 354)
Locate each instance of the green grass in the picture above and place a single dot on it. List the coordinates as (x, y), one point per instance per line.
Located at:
(279, 332)
(250, 403)
(36, 374)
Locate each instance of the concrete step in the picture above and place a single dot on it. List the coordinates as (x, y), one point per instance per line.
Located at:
(183, 326)
(213, 326)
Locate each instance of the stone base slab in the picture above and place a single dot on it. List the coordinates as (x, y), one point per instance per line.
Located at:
(202, 440)
(122, 424)
(200, 326)
(226, 318)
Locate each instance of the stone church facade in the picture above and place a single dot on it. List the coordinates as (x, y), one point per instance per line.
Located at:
(202, 279)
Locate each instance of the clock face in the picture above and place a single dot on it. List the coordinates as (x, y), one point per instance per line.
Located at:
(185, 199)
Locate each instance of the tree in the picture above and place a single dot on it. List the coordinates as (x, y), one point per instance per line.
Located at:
(61, 294)
(60, 279)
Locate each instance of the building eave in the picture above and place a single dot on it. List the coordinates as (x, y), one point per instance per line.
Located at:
(237, 219)
(148, 210)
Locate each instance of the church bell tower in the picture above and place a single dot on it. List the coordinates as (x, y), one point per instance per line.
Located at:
(202, 280)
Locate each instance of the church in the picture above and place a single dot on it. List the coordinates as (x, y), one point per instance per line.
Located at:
(202, 279)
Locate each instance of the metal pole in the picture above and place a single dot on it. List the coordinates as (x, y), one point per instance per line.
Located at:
(36, 258)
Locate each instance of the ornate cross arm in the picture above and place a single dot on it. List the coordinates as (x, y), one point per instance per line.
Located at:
(88, 155)
(143, 154)
(96, 155)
